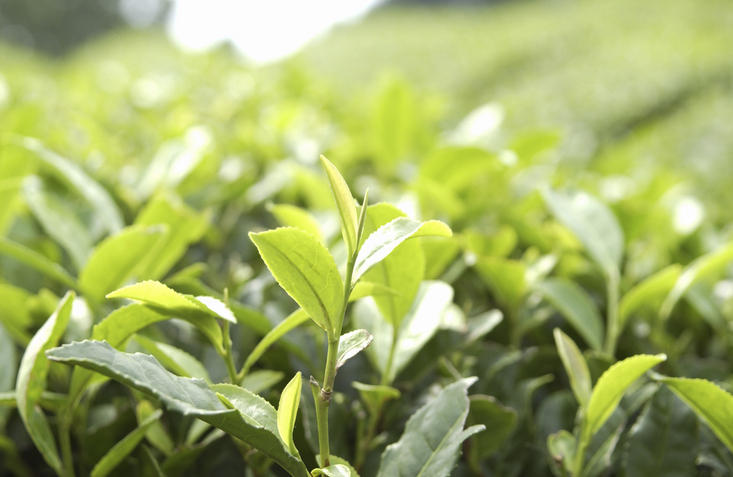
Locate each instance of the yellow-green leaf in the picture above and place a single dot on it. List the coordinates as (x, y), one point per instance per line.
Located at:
(287, 411)
(344, 202)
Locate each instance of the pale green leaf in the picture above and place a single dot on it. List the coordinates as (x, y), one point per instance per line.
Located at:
(374, 395)
(576, 306)
(506, 278)
(156, 434)
(292, 321)
(118, 258)
(701, 268)
(261, 380)
(246, 416)
(433, 435)
(350, 344)
(291, 216)
(37, 261)
(380, 243)
(561, 446)
(122, 449)
(306, 271)
(647, 293)
(611, 387)
(31, 381)
(174, 359)
(344, 203)
(287, 411)
(593, 224)
(711, 403)
(575, 366)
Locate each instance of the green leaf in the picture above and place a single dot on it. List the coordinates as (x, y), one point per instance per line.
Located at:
(287, 411)
(9, 359)
(699, 269)
(374, 395)
(380, 243)
(416, 329)
(165, 299)
(15, 313)
(711, 403)
(402, 271)
(336, 460)
(174, 359)
(261, 380)
(663, 439)
(575, 366)
(647, 293)
(69, 172)
(350, 344)
(246, 415)
(506, 278)
(292, 216)
(185, 227)
(306, 271)
(31, 381)
(611, 387)
(122, 449)
(593, 224)
(561, 446)
(335, 470)
(344, 203)
(156, 434)
(577, 307)
(118, 258)
(433, 435)
(37, 261)
(58, 220)
(295, 319)
(498, 420)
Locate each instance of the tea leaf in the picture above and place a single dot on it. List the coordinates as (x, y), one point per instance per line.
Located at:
(350, 344)
(174, 359)
(291, 216)
(374, 395)
(156, 434)
(37, 261)
(287, 411)
(575, 366)
(498, 420)
(506, 278)
(293, 320)
(433, 435)
(344, 203)
(250, 418)
(335, 470)
(31, 381)
(611, 386)
(380, 243)
(306, 271)
(711, 403)
(593, 224)
(648, 292)
(118, 258)
(122, 449)
(577, 307)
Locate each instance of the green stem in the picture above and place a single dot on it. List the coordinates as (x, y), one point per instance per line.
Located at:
(228, 357)
(67, 458)
(612, 284)
(580, 455)
(368, 437)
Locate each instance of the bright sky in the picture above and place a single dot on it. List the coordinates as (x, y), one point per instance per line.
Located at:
(262, 31)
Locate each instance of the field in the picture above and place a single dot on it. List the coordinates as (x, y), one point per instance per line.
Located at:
(514, 257)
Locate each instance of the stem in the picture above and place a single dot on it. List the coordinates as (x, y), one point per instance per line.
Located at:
(366, 441)
(228, 358)
(580, 455)
(67, 458)
(612, 280)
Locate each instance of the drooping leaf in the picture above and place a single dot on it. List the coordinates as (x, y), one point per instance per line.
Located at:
(122, 449)
(433, 435)
(37, 261)
(662, 441)
(306, 271)
(287, 411)
(58, 220)
(711, 404)
(291, 216)
(593, 224)
(380, 243)
(611, 387)
(69, 172)
(185, 226)
(575, 366)
(118, 258)
(174, 359)
(344, 203)
(699, 269)
(647, 293)
(246, 415)
(295, 319)
(499, 421)
(350, 344)
(31, 381)
(576, 306)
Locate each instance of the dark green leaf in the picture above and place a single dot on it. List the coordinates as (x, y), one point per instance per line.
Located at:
(577, 307)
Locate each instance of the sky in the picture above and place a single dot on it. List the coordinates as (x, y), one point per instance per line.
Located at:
(262, 31)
